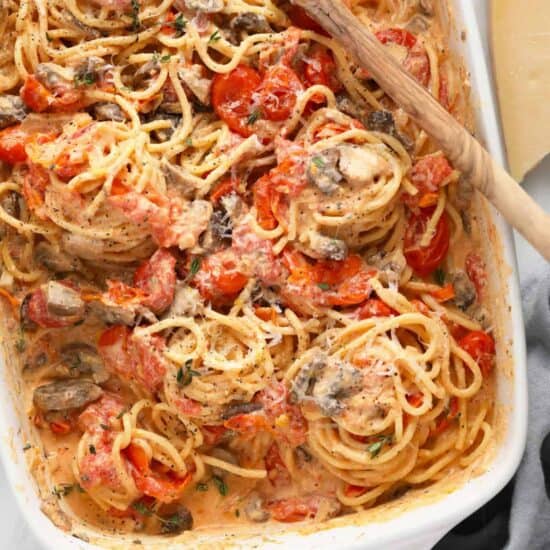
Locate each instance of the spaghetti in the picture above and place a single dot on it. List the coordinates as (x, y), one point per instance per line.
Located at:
(240, 269)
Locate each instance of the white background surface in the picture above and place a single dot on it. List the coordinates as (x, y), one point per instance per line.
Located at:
(14, 532)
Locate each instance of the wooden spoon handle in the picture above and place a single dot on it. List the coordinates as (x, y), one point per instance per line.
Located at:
(463, 150)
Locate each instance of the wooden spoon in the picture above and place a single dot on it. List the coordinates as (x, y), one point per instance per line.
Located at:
(462, 149)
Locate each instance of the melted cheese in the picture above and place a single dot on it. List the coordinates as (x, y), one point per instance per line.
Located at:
(521, 50)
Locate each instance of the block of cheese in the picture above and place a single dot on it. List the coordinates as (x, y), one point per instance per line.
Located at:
(520, 32)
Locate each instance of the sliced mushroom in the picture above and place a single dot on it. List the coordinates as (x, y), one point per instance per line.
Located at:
(146, 73)
(164, 134)
(465, 290)
(83, 247)
(12, 110)
(322, 171)
(83, 359)
(176, 522)
(302, 385)
(250, 22)
(50, 76)
(226, 456)
(26, 322)
(113, 314)
(108, 111)
(54, 259)
(66, 394)
(418, 24)
(327, 247)
(62, 300)
(235, 409)
(337, 381)
(254, 509)
(426, 7)
(381, 121)
(88, 32)
(481, 315)
(92, 70)
(187, 302)
(391, 265)
(178, 177)
(193, 77)
(359, 165)
(204, 6)
(349, 107)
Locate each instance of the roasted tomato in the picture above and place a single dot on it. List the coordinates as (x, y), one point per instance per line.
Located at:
(425, 259)
(156, 278)
(219, 279)
(300, 18)
(232, 98)
(427, 175)
(277, 472)
(320, 68)
(12, 145)
(477, 272)
(417, 61)
(40, 99)
(374, 307)
(278, 92)
(481, 347)
(290, 510)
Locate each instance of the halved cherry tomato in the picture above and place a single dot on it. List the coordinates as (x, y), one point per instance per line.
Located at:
(427, 175)
(35, 95)
(225, 187)
(444, 294)
(34, 188)
(165, 487)
(60, 427)
(248, 424)
(266, 313)
(290, 510)
(320, 68)
(445, 420)
(476, 271)
(213, 434)
(219, 279)
(481, 347)
(265, 198)
(420, 306)
(37, 309)
(277, 472)
(300, 18)
(354, 491)
(156, 277)
(417, 61)
(232, 98)
(374, 307)
(65, 168)
(12, 144)
(415, 399)
(425, 260)
(278, 92)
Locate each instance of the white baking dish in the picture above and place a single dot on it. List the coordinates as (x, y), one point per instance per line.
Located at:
(416, 527)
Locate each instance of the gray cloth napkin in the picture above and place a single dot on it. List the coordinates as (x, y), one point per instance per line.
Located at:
(529, 526)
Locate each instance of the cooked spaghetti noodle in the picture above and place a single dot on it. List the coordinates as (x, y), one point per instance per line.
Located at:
(237, 267)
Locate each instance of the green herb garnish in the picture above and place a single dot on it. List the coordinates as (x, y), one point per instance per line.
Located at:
(142, 508)
(194, 267)
(179, 24)
(105, 427)
(180, 521)
(214, 37)
(185, 374)
(375, 448)
(20, 345)
(439, 276)
(189, 142)
(323, 286)
(165, 58)
(319, 162)
(255, 115)
(221, 485)
(201, 487)
(84, 79)
(27, 447)
(136, 23)
(63, 489)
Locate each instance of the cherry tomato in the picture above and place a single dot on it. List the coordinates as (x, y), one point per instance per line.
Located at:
(277, 472)
(34, 188)
(300, 18)
(12, 145)
(65, 168)
(374, 307)
(224, 188)
(354, 491)
(232, 98)
(481, 347)
(265, 199)
(213, 434)
(37, 309)
(290, 510)
(476, 271)
(219, 279)
(445, 420)
(417, 61)
(427, 175)
(102, 412)
(35, 95)
(60, 427)
(425, 260)
(157, 279)
(320, 68)
(278, 92)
